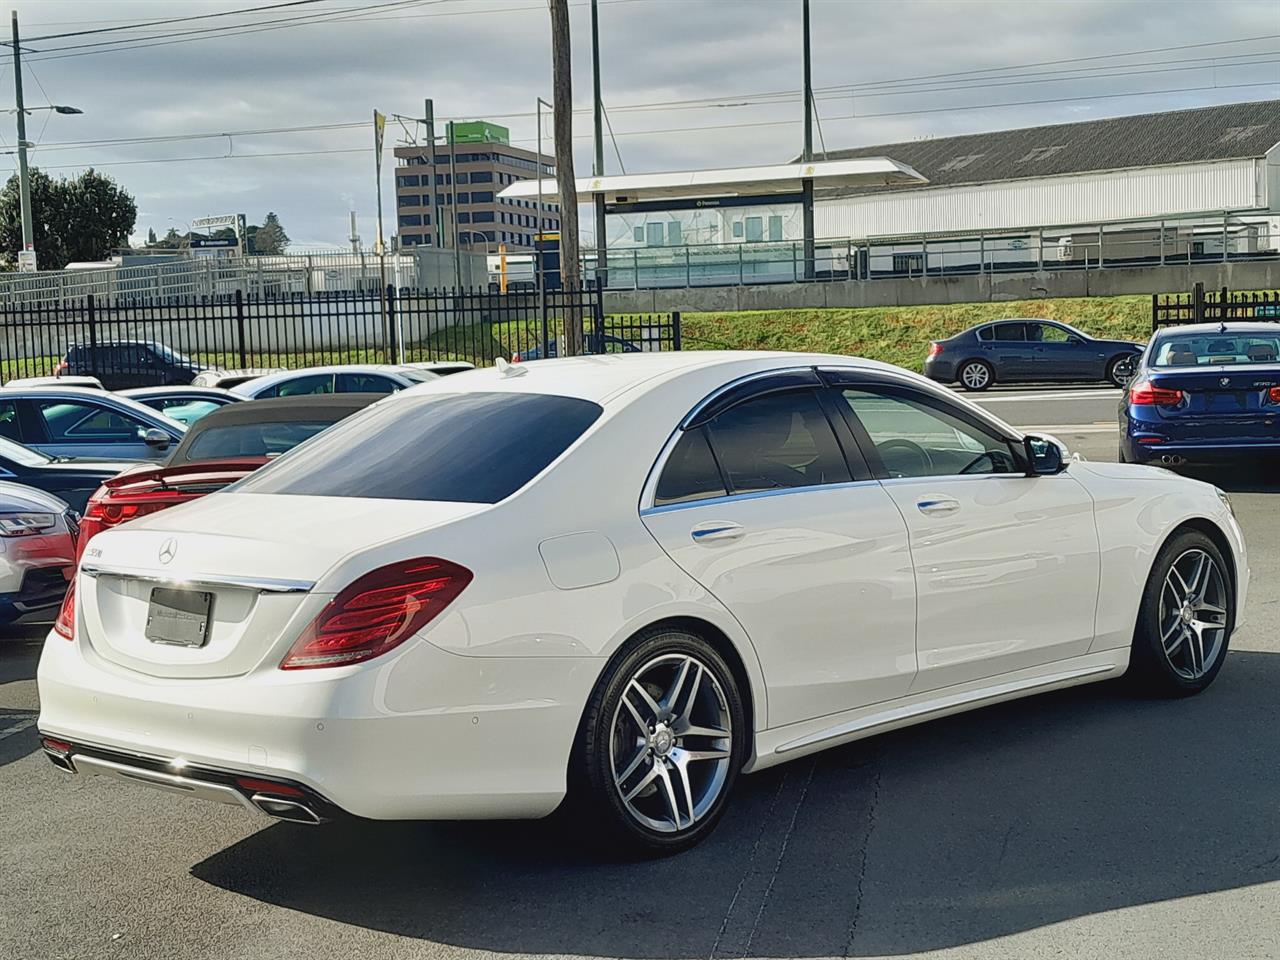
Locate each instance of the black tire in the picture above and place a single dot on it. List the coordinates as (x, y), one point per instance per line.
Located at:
(1121, 457)
(1166, 674)
(600, 797)
(982, 376)
(1116, 368)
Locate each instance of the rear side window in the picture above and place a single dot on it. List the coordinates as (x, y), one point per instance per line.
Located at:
(777, 441)
(984, 333)
(691, 472)
(251, 439)
(465, 448)
(1011, 331)
(365, 383)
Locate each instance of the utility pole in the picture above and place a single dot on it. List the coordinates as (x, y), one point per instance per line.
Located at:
(597, 168)
(429, 115)
(453, 211)
(27, 256)
(570, 266)
(807, 182)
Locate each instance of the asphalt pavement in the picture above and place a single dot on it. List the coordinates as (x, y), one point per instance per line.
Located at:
(1087, 823)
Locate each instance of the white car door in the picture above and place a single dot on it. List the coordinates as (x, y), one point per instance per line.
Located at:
(759, 504)
(1006, 564)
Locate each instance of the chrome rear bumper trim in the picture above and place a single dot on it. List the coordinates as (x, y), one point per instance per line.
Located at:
(169, 782)
(261, 584)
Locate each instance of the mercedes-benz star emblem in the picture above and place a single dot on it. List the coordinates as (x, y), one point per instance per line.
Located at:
(1224, 382)
(168, 550)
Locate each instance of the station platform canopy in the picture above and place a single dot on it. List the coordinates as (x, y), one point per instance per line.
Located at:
(782, 180)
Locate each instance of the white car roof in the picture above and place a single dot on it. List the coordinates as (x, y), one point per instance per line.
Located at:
(172, 389)
(255, 386)
(602, 378)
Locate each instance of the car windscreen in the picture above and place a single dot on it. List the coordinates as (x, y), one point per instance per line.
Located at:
(1215, 349)
(24, 456)
(249, 439)
(461, 447)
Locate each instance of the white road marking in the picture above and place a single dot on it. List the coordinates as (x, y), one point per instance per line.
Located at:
(1072, 428)
(1032, 397)
(24, 721)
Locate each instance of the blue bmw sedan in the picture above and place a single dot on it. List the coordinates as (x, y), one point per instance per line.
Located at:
(1202, 393)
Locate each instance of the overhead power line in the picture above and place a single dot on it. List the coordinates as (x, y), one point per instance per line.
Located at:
(135, 25)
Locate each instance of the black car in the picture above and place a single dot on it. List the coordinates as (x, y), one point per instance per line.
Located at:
(71, 480)
(1026, 351)
(120, 364)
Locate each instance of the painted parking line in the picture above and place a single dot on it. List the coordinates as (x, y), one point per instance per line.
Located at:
(1031, 397)
(11, 723)
(1072, 428)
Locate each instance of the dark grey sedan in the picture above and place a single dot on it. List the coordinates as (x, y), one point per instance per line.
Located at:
(1028, 351)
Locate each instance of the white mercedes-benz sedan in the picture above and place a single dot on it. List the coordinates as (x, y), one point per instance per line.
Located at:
(626, 580)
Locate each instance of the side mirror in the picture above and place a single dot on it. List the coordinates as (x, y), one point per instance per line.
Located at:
(157, 438)
(1046, 456)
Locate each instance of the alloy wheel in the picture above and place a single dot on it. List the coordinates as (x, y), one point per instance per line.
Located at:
(671, 743)
(975, 376)
(1122, 371)
(1193, 614)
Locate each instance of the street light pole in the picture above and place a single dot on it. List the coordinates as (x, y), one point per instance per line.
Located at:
(537, 234)
(27, 256)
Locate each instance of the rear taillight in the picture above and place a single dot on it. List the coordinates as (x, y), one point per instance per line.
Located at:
(1144, 393)
(103, 512)
(935, 348)
(254, 785)
(1273, 395)
(378, 612)
(65, 625)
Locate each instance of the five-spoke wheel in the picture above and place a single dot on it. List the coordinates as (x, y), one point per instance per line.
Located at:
(1186, 617)
(663, 740)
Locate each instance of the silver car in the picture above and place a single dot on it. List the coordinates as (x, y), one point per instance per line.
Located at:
(37, 552)
(338, 378)
(80, 422)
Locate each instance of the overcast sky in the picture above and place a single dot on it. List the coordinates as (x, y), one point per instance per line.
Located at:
(491, 58)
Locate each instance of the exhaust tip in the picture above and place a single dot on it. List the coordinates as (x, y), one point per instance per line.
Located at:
(60, 760)
(281, 809)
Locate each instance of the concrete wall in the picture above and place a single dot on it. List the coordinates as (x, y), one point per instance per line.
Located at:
(1112, 282)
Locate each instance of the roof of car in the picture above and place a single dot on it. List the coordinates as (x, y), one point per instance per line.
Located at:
(1219, 329)
(179, 390)
(604, 377)
(100, 396)
(258, 384)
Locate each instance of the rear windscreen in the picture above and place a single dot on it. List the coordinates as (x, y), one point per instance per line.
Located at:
(250, 439)
(1215, 349)
(468, 448)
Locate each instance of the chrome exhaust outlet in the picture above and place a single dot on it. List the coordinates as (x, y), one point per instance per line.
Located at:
(60, 760)
(1172, 459)
(281, 809)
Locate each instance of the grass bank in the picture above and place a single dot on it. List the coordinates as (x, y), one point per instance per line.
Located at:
(900, 335)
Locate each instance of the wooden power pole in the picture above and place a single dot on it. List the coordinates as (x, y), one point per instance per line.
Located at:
(570, 261)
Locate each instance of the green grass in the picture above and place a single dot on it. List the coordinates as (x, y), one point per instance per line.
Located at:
(900, 335)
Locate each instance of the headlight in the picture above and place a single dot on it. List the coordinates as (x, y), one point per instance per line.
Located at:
(26, 524)
(1226, 501)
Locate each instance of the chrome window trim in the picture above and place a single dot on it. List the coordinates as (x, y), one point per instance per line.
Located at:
(756, 495)
(261, 584)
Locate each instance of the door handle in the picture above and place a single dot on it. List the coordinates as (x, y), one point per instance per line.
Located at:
(716, 530)
(938, 505)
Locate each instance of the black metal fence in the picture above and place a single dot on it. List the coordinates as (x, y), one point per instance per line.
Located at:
(1212, 307)
(392, 326)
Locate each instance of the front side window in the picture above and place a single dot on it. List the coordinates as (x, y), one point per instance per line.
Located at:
(777, 441)
(1046, 333)
(70, 421)
(691, 471)
(917, 439)
(461, 447)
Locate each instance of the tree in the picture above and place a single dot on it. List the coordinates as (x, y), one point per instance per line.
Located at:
(77, 219)
(151, 236)
(562, 90)
(270, 238)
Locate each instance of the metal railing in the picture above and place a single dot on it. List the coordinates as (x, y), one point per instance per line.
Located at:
(239, 331)
(1222, 238)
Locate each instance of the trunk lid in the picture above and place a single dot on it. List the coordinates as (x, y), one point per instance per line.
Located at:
(256, 556)
(1220, 394)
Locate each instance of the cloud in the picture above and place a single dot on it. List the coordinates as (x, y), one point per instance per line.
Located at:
(491, 58)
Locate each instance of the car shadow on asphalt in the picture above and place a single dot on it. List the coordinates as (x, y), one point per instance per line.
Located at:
(19, 655)
(959, 831)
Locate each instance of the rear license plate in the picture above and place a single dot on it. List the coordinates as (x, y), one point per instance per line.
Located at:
(178, 617)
